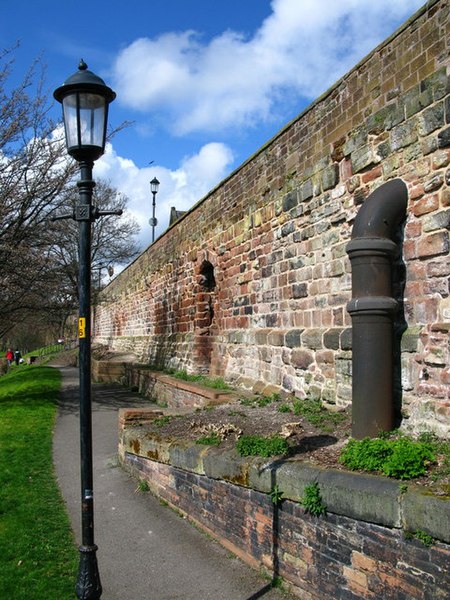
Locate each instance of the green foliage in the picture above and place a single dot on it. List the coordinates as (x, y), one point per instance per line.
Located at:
(263, 401)
(400, 458)
(316, 414)
(142, 486)
(248, 402)
(420, 535)
(209, 440)
(34, 521)
(276, 494)
(260, 401)
(216, 383)
(312, 500)
(161, 421)
(255, 445)
(442, 449)
(284, 408)
(426, 539)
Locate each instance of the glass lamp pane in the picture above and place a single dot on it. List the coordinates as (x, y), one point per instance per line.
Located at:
(92, 119)
(84, 118)
(70, 120)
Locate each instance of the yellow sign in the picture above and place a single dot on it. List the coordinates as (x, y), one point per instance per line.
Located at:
(82, 327)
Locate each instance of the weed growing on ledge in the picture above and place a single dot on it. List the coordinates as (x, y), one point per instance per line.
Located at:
(142, 486)
(312, 500)
(420, 535)
(255, 445)
(401, 458)
(216, 383)
(161, 421)
(276, 494)
(209, 440)
(314, 412)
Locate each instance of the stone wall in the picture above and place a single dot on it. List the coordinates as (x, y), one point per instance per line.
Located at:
(252, 283)
(359, 549)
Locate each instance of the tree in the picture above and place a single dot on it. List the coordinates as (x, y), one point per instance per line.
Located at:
(33, 174)
(37, 178)
(113, 239)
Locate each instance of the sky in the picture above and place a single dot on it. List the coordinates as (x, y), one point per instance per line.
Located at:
(203, 83)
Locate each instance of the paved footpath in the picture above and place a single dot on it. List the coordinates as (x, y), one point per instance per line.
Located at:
(146, 551)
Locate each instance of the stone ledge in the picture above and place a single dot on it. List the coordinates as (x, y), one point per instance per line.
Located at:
(171, 391)
(364, 497)
(193, 387)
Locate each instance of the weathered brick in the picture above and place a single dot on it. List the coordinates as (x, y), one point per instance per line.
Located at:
(403, 135)
(306, 190)
(290, 200)
(434, 244)
(444, 138)
(300, 290)
(330, 177)
(292, 338)
(301, 359)
(331, 338)
(439, 220)
(437, 83)
(431, 119)
(426, 205)
(364, 157)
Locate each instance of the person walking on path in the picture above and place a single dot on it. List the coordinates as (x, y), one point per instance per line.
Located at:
(145, 550)
(9, 357)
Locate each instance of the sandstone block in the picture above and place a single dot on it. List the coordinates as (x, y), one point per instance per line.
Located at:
(431, 119)
(301, 359)
(434, 244)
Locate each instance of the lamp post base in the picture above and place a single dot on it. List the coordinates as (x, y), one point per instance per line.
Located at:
(88, 586)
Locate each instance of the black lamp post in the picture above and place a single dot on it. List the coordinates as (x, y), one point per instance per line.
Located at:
(154, 187)
(85, 99)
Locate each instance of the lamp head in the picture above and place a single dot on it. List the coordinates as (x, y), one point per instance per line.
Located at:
(85, 99)
(154, 185)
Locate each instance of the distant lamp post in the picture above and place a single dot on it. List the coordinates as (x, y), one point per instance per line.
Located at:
(85, 99)
(154, 187)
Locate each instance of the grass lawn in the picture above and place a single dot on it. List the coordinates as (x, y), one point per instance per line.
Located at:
(38, 557)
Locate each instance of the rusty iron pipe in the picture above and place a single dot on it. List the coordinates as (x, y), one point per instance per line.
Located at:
(372, 308)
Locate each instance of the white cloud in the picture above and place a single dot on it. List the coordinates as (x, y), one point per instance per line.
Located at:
(180, 188)
(232, 81)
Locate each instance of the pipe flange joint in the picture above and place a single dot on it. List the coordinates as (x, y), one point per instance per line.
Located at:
(375, 305)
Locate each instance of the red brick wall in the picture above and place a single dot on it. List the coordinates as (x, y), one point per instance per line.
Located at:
(330, 557)
(276, 232)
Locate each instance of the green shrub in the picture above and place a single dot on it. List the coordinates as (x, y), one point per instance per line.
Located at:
(401, 458)
(255, 445)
